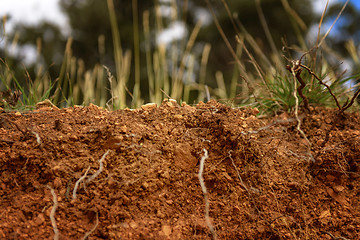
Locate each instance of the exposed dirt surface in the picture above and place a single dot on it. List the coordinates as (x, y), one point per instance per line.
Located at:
(134, 174)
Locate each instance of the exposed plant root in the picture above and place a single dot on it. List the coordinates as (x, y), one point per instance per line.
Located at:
(97, 173)
(333, 237)
(92, 177)
(38, 139)
(93, 229)
(237, 171)
(52, 213)
(295, 71)
(204, 190)
(78, 183)
(274, 123)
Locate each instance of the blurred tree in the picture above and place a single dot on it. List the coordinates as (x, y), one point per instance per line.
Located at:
(246, 13)
(48, 41)
(89, 19)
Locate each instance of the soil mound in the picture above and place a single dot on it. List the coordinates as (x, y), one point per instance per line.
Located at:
(85, 172)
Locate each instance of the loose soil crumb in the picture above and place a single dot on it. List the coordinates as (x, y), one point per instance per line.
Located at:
(262, 178)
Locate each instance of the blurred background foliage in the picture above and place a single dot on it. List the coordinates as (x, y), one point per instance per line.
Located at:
(79, 55)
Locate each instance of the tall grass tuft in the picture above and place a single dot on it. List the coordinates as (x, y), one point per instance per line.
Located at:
(264, 79)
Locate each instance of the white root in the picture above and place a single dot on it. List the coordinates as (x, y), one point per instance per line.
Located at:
(78, 183)
(92, 177)
(97, 173)
(204, 190)
(38, 139)
(93, 229)
(297, 115)
(237, 171)
(52, 214)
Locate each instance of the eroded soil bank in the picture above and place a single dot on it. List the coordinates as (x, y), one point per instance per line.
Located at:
(139, 172)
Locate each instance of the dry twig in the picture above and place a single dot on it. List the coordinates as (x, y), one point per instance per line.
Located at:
(332, 25)
(349, 104)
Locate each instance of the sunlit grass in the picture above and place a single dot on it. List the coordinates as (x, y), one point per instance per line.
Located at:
(261, 80)
(265, 80)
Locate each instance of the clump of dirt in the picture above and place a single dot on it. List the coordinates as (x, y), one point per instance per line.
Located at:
(85, 172)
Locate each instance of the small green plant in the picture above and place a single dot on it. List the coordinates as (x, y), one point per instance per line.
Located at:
(22, 97)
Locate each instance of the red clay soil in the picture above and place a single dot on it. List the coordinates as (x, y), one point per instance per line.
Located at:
(85, 172)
